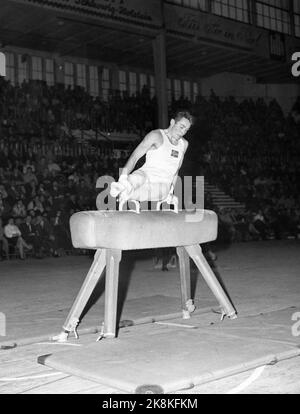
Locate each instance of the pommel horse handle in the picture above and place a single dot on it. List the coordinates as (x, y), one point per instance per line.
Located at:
(111, 232)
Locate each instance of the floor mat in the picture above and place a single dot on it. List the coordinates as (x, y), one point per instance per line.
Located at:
(135, 310)
(167, 358)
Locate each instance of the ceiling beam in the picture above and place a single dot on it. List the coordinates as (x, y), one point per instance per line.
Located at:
(236, 65)
(218, 57)
(269, 70)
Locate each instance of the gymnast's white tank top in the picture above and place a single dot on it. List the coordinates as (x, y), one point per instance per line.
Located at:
(162, 163)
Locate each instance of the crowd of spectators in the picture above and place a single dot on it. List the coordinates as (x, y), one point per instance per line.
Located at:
(38, 194)
(40, 109)
(252, 153)
(249, 149)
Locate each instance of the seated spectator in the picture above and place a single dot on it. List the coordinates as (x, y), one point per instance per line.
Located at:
(16, 176)
(36, 205)
(226, 224)
(41, 166)
(28, 163)
(33, 215)
(3, 243)
(292, 222)
(3, 192)
(22, 193)
(30, 235)
(57, 195)
(272, 216)
(2, 174)
(41, 189)
(72, 203)
(71, 187)
(61, 232)
(74, 177)
(19, 209)
(14, 238)
(260, 225)
(242, 227)
(84, 190)
(28, 176)
(83, 204)
(4, 207)
(31, 189)
(53, 167)
(45, 235)
(13, 193)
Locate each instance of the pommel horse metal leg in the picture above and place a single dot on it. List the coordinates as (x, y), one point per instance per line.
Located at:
(83, 296)
(185, 281)
(196, 254)
(113, 258)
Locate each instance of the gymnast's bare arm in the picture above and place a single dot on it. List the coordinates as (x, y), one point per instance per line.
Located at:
(186, 144)
(153, 140)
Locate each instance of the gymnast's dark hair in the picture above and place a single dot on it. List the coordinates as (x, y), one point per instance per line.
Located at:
(182, 113)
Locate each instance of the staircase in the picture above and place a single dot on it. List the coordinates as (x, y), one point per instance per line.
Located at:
(221, 199)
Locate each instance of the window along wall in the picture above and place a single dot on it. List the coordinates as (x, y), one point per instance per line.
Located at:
(297, 17)
(37, 68)
(11, 67)
(194, 4)
(105, 83)
(49, 72)
(122, 81)
(132, 83)
(69, 75)
(274, 15)
(22, 68)
(177, 88)
(233, 9)
(96, 80)
(81, 79)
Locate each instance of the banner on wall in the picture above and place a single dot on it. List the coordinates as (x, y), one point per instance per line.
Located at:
(209, 27)
(132, 11)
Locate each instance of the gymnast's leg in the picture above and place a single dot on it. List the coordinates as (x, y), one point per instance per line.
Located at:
(150, 191)
(140, 187)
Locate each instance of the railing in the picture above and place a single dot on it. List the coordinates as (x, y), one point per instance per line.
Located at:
(58, 149)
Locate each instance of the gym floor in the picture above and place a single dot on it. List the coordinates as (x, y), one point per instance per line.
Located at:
(36, 295)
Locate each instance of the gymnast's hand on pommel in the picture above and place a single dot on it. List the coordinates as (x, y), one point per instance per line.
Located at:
(124, 180)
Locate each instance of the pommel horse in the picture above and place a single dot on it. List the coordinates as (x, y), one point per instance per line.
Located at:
(110, 232)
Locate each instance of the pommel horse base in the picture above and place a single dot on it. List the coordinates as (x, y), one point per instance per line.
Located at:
(110, 232)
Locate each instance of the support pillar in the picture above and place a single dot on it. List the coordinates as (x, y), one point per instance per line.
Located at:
(160, 68)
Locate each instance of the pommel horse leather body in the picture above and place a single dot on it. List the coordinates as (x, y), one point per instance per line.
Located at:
(110, 232)
(149, 230)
